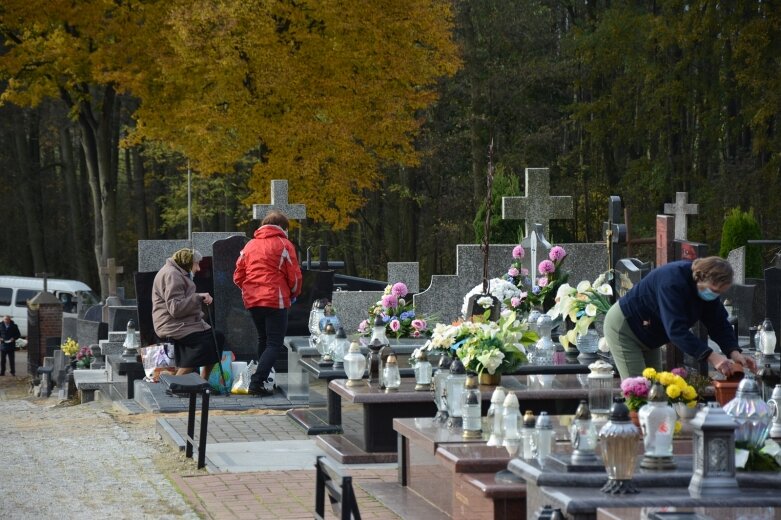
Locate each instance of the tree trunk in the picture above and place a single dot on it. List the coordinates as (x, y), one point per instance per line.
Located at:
(139, 195)
(75, 213)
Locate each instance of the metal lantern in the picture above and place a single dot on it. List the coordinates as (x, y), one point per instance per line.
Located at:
(390, 374)
(714, 453)
(600, 388)
(750, 412)
(374, 362)
(543, 430)
(339, 348)
(510, 418)
(440, 389)
(422, 371)
(454, 389)
(327, 339)
(494, 417)
(354, 365)
(774, 402)
(528, 435)
(657, 419)
(583, 436)
(618, 439)
(471, 403)
(131, 341)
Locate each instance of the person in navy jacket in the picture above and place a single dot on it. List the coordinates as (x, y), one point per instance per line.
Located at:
(9, 333)
(663, 307)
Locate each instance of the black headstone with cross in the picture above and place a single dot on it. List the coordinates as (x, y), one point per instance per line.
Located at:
(538, 206)
(614, 233)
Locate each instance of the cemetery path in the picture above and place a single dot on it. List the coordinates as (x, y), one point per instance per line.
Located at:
(61, 461)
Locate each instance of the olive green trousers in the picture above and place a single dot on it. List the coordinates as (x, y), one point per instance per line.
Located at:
(629, 353)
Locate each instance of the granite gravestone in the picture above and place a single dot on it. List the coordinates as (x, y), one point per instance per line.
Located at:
(231, 318)
(70, 327)
(681, 209)
(737, 259)
(279, 202)
(614, 230)
(152, 254)
(773, 296)
(664, 240)
(739, 301)
(629, 272)
(686, 250)
(89, 332)
(538, 206)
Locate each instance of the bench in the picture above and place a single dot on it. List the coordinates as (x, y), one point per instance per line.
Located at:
(339, 489)
(192, 384)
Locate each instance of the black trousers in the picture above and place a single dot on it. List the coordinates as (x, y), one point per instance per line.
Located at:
(9, 354)
(272, 327)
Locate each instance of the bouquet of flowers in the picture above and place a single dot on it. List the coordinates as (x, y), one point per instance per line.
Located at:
(582, 305)
(536, 291)
(70, 348)
(635, 390)
(503, 290)
(398, 314)
(84, 357)
(678, 390)
(482, 345)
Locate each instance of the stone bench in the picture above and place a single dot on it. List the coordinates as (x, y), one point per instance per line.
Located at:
(89, 381)
(339, 488)
(193, 385)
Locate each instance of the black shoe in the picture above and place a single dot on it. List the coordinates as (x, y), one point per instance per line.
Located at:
(259, 391)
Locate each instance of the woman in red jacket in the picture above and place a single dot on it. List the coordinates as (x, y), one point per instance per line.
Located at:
(269, 277)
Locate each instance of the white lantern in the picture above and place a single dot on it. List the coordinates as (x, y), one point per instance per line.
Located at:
(471, 403)
(657, 420)
(390, 374)
(544, 433)
(339, 348)
(510, 417)
(528, 435)
(494, 417)
(354, 365)
(422, 371)
(454, 388)
(767, 338)
(583, 436)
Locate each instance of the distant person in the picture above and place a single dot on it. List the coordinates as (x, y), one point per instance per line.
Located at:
(9, 333)
(269, 277)
(177, 314)
(663, 307)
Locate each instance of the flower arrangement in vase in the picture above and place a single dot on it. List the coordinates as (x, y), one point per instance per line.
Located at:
(536, 291)
(398, 313)
(503, 290)
(84, 357)
(70, 348)
(680, 393)
(582, 305)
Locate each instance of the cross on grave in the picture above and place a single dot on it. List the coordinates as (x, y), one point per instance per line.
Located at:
(537, 248)
(681, 209)
(111, 270)
(613, 230)
(45, 277)
(538, 205)
(279, 202)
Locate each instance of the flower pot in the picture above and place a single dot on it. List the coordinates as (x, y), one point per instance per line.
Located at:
(635, 418)
(490, 379)
(726, 388)
(684, 412)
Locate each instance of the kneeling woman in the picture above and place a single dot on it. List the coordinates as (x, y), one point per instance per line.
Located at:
(177, 314)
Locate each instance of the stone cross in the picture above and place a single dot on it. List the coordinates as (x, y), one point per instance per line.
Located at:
(613, 230)
(538, 205)
(111, 270)
(45, 277)
(681, 209)
(279, 202)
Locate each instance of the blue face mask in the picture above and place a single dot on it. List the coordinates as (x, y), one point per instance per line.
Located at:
(708, 295)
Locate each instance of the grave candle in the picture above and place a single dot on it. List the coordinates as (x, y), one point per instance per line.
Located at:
(600, 387)
(768, 338)
(528, 435)
(339, 348)
(422, 371)
(619, 449)
(354, 365)
(493, 422)
(390, 374)
(583, 436)
(543, 430)
(440, 388)
(454, 391)
(510, 418)
(470, 405)
(657, 420)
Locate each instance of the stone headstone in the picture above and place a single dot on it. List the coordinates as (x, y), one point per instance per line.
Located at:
(741, 305)
(152, 254)
(69, 327)
(231, 318)
(144, 282)
(773, 296)
(538, 206)
(119, 316)
(686, 250)
(629, 272)
(614, 231)
(445, 295)
(664, 240)
(94, 313)
(89, 332)
(737, 259)
(279, 202)
(681, 209)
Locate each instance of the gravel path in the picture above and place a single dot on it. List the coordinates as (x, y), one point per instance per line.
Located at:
(83, 461)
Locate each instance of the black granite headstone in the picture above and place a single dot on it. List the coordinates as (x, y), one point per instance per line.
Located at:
(687, 250)
(94, 313)
(741, 298)
(315, 285)
(629, 272)
(230, 315)
(773, 297)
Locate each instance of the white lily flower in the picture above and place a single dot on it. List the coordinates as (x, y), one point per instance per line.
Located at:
(584, 286)
(605, 289)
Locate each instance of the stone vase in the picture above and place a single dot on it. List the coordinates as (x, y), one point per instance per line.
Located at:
(684, 412)
(494, 379)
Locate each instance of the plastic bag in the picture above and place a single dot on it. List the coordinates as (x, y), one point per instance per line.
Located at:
(157, 359)
(215, 377)
(241, 384)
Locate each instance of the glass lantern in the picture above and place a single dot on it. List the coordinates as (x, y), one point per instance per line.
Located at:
(544, 349)
(587, 345)
(510, 419)
(773, 403)
(471, 403)
(543, 431)
(767, 338)
(329, 316)
(534, 315)
(439, 378)
(327, 339)
(528, 440)
(493, 418)
(618, 438)
(583, 437)
(378, 331)
(422, 371)
(454, 390)
(600, 388)
(131, 341)
(315, 315)
(390, 374)
(750, 412)
(354, 365)
(657, 420)
(339, 348)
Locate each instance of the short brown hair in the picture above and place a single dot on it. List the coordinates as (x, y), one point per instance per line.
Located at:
(275, 218)
(712, 269)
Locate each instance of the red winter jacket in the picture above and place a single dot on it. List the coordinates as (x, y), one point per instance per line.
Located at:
(267, 270)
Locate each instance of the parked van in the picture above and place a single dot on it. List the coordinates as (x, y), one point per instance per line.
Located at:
(16, 290)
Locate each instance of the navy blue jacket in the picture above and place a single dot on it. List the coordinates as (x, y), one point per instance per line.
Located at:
(665, 305)
(8, 332)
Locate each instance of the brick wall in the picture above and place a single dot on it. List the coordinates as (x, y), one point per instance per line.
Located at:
(44, 328)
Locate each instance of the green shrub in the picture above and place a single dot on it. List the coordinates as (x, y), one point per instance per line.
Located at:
(740, 227)
(502, 231)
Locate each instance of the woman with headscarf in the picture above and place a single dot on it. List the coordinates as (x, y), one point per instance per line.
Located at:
(177, 314)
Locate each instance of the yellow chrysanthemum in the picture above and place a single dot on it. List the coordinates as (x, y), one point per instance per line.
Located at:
(673, 391)
(691, 404)
(677, 427)
(650, 373)
(666, 378)
(689, 392)
(678, 380)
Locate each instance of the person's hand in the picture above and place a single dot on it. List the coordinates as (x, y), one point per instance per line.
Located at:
(747, 361)
(207, 299)
(722, 364)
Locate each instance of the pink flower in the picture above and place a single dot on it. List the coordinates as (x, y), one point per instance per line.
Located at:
(524, 294)
(363, 326)
(513, 272)
(419, 324)
(389, 301)
(395, 325)
(557, 253)
(542, 281)
(399, 289)
(518, 252)
(515, 301)
(524, 271)
(635, 387)
(546, 267)
(679, 372)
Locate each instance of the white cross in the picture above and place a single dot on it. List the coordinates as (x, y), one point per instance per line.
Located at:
(681, 209)
(279, 203)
